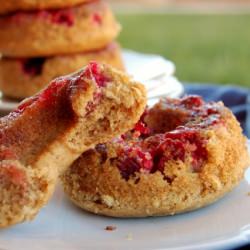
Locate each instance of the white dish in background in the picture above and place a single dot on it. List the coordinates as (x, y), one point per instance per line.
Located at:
(147, 66)
(62, 226)
(154, 71)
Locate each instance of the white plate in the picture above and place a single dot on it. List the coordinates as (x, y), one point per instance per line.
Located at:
(153, 70)
(62, 226)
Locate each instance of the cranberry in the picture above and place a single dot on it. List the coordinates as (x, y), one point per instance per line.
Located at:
(7, 154)
(97, 18)
(211, 110)
(184, 142)
(134, 160)
(65, 17)
(181, 142)
(13, 175)
(192, 101)
(93, 71)
(128, 166)
(141, 128)
(33, 66)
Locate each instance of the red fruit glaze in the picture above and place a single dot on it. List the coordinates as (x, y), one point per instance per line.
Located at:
(46, 98)
(50, 94)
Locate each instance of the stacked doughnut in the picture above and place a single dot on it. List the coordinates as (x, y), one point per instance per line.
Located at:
(41, 40)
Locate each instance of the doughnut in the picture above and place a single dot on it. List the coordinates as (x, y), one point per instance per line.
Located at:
(17, 5)
(182, 155)
(21, 78)
(86, 27)
(48, 131)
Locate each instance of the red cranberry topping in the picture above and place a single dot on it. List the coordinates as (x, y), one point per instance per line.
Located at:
(97, 18)
(12, 175)
(7, 154)
(178, 144)
(33, 66)
(128, 167)
(192, 101)
(151, 155)
(132, 160)
(65, 16)
(24, 105)
(60, 16)
(141, 128)
(49, 95)
(93, 71)
(184, 142)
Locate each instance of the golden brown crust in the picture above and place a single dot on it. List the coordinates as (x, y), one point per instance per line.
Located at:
(14, 5)
(86, 27)
(18, 82)
(96, 184)
(49, 131)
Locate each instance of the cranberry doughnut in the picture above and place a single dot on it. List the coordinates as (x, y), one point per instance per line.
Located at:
(47, 132)
(86, 27)
(17, 5)
(21, 78)
(183, 154)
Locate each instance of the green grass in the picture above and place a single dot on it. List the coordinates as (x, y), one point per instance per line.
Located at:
(205, 48)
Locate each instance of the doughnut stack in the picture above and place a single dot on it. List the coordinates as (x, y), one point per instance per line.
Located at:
(41, 40)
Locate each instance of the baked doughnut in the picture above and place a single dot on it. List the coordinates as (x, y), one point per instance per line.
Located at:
(20, 78)
(47, 132)
(14, 5)
(86, 27)
(188, 155)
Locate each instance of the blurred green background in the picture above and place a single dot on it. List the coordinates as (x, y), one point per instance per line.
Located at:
(212, 48)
